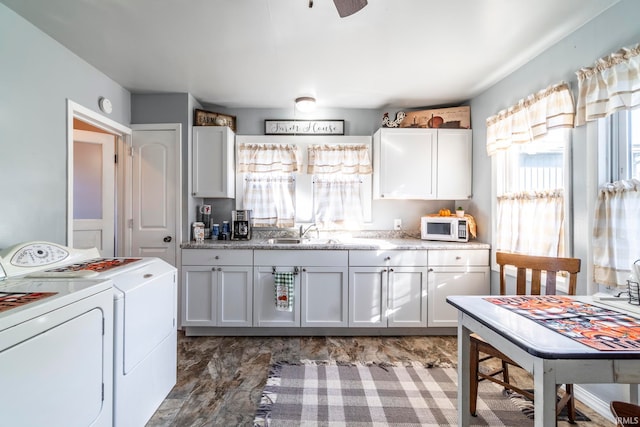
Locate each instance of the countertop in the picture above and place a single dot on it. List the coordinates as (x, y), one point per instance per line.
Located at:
(361, 243)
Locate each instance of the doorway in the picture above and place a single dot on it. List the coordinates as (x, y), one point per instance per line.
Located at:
(94, 187)
(146, 185)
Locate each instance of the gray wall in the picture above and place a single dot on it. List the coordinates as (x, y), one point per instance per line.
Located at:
(38, 75)
(250, 121)
(615, 28)
(171, 108)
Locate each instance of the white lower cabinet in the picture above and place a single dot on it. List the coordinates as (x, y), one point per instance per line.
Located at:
(388, 289)
(320, 288)
(214, 294)
(324, 296)
(455, 272)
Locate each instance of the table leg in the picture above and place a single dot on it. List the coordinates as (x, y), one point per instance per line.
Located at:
(463, 373)
(544, 380)
(634, 391)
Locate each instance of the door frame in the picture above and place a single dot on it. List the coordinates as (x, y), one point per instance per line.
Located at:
(123, 172)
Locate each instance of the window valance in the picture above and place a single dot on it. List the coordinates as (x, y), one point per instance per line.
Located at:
(339, 158)
(267, 158)
(612, 84)
(531, 118)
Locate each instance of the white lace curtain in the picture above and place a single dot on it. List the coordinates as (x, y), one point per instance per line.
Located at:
(339, 158)
(267, 158)
(611, 84)
(531, 223)
(531, 118)
(616, 234)
(269, 186)
(337, 201)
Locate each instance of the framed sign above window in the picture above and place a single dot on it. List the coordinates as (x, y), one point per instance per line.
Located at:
(304, 127)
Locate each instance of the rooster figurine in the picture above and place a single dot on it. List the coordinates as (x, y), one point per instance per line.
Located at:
(393, 123)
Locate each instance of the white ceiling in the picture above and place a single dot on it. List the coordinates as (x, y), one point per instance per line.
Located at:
(265, 53)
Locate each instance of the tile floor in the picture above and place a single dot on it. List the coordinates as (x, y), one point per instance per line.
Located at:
(220, 379)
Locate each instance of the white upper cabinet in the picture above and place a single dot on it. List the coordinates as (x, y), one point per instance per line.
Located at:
(213, 162)
(403, 163)
(454, 164)
(425, 164)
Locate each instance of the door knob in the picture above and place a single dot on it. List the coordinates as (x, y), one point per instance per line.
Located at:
(167, 239)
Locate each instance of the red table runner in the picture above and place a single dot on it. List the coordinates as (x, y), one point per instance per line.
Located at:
(596, 327)
(9, 300)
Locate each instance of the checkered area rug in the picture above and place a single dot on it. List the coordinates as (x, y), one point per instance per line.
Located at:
(319, 394)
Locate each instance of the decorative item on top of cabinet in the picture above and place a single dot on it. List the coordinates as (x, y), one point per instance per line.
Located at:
(213, 162)
(388, 123)
(450, 118)
(209, 118)
(422, 164)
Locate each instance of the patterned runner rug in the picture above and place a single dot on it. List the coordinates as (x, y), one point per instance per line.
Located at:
(321, 394)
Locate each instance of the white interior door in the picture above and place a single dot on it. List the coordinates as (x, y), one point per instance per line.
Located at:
(156, 191)
(93, 191)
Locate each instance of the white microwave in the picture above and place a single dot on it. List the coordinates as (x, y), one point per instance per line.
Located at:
(447, 228)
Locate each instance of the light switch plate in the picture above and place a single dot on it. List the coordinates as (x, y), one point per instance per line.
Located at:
(397, 224)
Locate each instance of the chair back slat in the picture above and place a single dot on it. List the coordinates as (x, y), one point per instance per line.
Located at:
(550, 288)
(537, 265)
(535, 282)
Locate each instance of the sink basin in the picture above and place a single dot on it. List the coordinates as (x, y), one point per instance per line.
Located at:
(284, 241)
(294, 241)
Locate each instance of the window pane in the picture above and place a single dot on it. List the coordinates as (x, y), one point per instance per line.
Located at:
(634, 148)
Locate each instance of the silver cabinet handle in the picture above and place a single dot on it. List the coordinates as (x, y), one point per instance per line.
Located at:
(387, 258)
(217, 257)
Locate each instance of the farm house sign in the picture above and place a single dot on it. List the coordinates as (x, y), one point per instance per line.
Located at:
(304, 127)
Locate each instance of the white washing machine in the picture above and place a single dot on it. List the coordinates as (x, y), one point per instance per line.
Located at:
(56, 352)
(144, 319)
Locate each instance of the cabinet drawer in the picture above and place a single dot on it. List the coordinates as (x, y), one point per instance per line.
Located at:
(459, 257)
(382, 258)
(217, 257)
(307, 258)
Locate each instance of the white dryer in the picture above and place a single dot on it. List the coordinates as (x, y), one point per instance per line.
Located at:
(56, 352)
(144, 321)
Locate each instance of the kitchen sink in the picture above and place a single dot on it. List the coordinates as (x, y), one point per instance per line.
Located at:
(295, 241)
(284, 241)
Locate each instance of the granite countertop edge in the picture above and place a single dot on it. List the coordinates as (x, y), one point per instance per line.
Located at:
(355, 244)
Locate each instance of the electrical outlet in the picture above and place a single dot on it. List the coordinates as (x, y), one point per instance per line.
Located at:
(397, 224)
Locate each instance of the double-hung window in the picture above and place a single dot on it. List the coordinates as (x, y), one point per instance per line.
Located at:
(530, 144)
(609, 93)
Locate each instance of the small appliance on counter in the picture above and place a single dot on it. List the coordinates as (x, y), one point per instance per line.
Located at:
(447, 228)
(241, 225)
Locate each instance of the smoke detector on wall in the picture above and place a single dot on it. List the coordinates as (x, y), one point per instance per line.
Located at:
(105, 105)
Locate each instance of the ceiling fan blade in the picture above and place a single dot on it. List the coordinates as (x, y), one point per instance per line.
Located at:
(349, 7)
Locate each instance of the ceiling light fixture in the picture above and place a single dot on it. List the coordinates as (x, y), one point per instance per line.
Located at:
(305, 104)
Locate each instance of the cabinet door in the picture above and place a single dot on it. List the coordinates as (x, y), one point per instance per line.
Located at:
(403, 164)
(454, 164)
(324, 296)
(235, 295)
(367, 297)
(198, 296)
(407, 297)
(445, 281)
(264, 300)
(213, 164)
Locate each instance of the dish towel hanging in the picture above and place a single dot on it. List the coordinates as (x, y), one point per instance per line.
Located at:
(284, 290)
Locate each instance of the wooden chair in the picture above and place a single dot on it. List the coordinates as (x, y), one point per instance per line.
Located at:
(536, 265)
(626, 414)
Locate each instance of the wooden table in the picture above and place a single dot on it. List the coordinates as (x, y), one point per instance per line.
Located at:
(552, 358)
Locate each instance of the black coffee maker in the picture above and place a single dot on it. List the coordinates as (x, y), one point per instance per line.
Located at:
(241, 225)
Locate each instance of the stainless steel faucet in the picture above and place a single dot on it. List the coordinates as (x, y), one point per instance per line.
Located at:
(304, 231)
